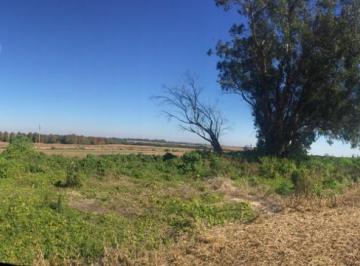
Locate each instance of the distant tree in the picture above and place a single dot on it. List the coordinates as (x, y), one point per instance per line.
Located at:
(51, 139)
(12, 136)
(70, 139)
(296, 63)
(183, 104)
(6, 136)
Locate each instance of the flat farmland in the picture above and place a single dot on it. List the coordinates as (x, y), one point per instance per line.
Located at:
(78, 150)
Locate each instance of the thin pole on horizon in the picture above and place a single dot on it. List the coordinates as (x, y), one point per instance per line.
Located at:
(39, 134)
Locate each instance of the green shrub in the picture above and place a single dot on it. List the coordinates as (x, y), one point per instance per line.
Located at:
(330, 183)
(4, 171)
(184, 214)
(73, 178)
(303, 181)
(191, 163)
(11, 168)
(169, 156)
(271, 167)
(19, 147)
(217, 165)
(5, 166)
(284, 188)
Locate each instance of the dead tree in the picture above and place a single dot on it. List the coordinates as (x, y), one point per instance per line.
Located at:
(183, 104)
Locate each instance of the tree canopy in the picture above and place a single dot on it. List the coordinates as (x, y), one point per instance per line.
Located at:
(297, 64)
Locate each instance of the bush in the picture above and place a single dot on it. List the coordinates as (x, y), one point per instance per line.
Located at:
(4, 168)
(284, 188)
(72, 177)
(271, 167)
(19, 148)
(169, 156)
(303, 181)
(192, 163)
(11, 168)
(183, 215)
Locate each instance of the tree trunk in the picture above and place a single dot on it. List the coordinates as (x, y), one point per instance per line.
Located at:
(216, 146)
(286, 142)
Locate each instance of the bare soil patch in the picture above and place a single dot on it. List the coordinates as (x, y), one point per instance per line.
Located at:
(79, 202)
(260, 201)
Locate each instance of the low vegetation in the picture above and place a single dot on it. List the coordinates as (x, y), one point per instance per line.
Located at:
(76, 209)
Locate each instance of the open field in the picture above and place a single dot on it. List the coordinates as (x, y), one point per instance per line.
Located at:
(79, 150)
(82, 150)
(196, 209)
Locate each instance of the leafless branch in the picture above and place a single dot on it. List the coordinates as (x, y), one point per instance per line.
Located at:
(182, 103)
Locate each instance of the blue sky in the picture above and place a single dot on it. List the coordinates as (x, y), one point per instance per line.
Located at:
(90, 67)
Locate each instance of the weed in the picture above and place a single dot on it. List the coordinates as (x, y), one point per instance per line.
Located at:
(57, 205)
(72, 177)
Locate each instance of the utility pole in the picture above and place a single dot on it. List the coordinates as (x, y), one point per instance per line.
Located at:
(39, 134)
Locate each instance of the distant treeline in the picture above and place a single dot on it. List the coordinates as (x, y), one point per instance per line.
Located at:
(88, 140)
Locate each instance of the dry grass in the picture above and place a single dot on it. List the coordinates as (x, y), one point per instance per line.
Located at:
(329, 237)
(258, 199)
(305, 232)
(74, 150)
(79, 150)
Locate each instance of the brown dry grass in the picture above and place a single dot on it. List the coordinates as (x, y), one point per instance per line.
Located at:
(305, 232)
(329, 237)
(79, 150)
(74, 150)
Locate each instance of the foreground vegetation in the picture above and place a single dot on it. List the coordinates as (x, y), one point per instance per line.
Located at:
(65, 209)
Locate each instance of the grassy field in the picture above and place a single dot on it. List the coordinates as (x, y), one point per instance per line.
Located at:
(194, 209)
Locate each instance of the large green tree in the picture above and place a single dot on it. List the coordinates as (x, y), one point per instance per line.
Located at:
(297, 64)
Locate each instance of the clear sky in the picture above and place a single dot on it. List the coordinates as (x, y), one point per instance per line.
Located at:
(90, 67)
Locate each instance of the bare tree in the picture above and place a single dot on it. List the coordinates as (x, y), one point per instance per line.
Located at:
(184, 105)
